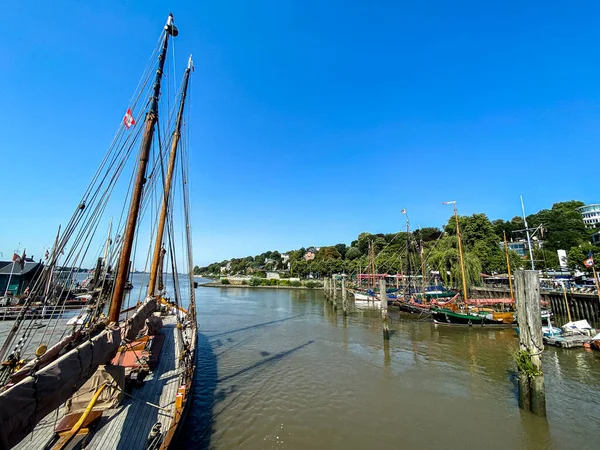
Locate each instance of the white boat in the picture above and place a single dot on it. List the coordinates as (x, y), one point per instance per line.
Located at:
(366, 300)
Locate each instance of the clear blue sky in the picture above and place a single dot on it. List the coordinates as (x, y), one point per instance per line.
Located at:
(312, 121)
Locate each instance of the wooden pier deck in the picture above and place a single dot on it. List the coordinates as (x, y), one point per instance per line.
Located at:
(568, 341)
(128, 425)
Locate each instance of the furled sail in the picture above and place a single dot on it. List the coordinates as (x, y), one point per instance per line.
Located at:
(29, 401)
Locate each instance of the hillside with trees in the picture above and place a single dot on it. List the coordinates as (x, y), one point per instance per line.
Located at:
(560, 227)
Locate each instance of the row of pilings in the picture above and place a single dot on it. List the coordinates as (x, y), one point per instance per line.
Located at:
(532, 392)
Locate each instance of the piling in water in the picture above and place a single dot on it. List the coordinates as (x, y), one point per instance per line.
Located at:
(384, 310)
(334, 295)
(344, 297)
(532, 392)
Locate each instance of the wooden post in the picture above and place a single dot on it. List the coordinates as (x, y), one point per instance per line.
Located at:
(344, 297)
(334, 295)
(331, 289)
(567, 303)
(384, 310)
(326, 287)
(532, 393)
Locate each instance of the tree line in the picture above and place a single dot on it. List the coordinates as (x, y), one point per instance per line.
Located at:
(434, 249)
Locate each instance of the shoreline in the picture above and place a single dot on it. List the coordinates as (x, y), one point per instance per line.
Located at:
(219, 285)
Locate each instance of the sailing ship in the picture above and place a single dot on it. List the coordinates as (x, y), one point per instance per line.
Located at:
(465, 313)
(120, 376)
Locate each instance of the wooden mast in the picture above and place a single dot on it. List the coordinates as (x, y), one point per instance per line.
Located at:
(140, 180)
(462, 263)
(460, 253)
(512, 296)
(156, 266)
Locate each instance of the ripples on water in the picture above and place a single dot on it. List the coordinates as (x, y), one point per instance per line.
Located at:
(280, 369)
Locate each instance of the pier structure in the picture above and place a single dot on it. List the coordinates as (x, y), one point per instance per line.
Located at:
(334, 292)
(344, 297)
(532, 391)
(384, 311)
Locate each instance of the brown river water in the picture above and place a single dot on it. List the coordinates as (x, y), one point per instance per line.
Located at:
(279, 369)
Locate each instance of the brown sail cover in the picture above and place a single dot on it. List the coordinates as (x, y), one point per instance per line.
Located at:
(47, 357)
(26, 403)
(111, 396)
(29, 401)
(136, 322)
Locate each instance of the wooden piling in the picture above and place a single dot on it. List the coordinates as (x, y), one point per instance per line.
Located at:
(334, 295)
(384, 310)
(344, 297)
(532, 392)
(326, 287)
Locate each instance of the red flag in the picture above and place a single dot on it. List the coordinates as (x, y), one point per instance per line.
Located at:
(589, 262)
(22, 262)
(16, 258)
(128, 120)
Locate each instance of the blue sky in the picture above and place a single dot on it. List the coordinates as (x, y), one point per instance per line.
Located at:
(311, 121)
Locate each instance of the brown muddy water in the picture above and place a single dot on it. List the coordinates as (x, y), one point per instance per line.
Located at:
(280, 369)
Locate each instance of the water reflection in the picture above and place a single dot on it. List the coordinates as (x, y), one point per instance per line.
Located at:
(284, 369)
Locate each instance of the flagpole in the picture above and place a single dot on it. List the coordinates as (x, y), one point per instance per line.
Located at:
(596, 281)
(527, 231)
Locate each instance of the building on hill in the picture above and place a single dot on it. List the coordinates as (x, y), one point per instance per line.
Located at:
(591, 215)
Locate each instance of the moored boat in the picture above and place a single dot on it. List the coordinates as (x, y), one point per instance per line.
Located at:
(75, 390)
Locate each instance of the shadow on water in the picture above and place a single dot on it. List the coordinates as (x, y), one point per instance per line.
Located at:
(199, 425)
(198, 428)
(253, 327)
(266, 361)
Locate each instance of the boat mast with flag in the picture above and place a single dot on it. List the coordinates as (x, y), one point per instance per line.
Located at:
(120, 374)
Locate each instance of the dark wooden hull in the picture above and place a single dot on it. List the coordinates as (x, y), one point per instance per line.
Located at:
(412, 308)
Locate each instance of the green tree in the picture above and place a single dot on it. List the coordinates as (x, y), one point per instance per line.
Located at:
(341, 248)
(352, 253)
(577, 255)
(326, 253)
(196, 270)
(445, 258)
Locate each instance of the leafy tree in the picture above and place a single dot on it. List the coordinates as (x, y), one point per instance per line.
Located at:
(563, 225)
(352, 253)
(341, 248)
(427, 234)
(326, 253)
(196, 270)
(446, 259)
(577, 255)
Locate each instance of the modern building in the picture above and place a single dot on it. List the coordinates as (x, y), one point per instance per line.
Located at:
(591, 215)
(519, 247)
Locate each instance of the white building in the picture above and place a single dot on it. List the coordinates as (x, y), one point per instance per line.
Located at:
(591, 215)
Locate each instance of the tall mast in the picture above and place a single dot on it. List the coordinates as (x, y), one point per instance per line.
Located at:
(168, 183)
(408, 268)
(462, 262)
(528, 237)
(460, 253)
(512, 297)
(140, 180)
(422, 252)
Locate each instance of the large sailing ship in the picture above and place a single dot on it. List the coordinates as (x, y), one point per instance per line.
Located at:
(119, 373)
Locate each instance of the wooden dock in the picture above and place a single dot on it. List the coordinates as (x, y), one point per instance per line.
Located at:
(568, 341)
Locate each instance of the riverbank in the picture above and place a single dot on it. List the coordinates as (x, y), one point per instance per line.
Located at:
(219, 285)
